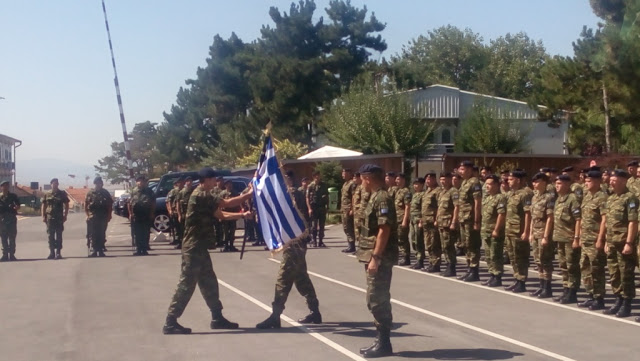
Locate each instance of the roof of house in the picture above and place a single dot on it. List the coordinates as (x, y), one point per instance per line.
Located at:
(78, 195)
(26, 191)
(8, 140)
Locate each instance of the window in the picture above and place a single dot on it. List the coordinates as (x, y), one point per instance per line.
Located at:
(446, 136)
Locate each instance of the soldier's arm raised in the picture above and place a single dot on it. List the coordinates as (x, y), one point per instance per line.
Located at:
(229, 216)
(235, 201)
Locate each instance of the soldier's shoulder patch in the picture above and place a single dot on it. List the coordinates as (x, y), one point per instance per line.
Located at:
(501, 205)
(527, 201)
(384, 210)
(455, 195)
(576, 211)
(477, 187)
(632, 204)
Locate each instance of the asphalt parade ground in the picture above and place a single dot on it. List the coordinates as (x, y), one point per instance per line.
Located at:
(113, 308)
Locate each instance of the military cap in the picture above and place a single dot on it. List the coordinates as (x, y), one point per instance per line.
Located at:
(594, 174)
(306, 179)
(596, 168)
(418, 180)
(467, 163)
(207, 172)
(540, 176)
(188, 178)
(54, 180)
(620, 173)
(430, 173)
(567, 169)
(564, 178)
(446, 174)
(553, 170)
(633, 163)
(349, 170)
(97, 180)
(140, 177)
(493, 177)
(372, 168)
(357, 174)
(487, 168)
(504, 172)
(517, 173)
(545, 169)
(289, 174)
(389, 174)
(4, 182)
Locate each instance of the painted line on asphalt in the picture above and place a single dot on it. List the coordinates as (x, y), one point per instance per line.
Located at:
(290, 321)
(524, 296)
(450, 320)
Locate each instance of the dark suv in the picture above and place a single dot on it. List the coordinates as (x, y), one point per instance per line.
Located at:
(161, 222)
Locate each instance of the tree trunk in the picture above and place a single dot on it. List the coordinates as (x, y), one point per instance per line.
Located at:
(607, 122)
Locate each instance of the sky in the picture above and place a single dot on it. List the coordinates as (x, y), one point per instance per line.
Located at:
(57, 79)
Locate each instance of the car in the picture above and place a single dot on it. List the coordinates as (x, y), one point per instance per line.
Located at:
(120, 205)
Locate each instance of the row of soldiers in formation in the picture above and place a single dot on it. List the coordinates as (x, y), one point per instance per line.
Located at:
(589, 218)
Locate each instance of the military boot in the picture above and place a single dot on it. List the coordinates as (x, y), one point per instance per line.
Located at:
(93, 254)
(434, 269)
(58, 254)
(625, 309)
(615, 308)
(406, 260)
(571, 297)
(547, 292)
(12, 257)
(172, 327)
(496, 281)
(488, 280)
(273, 321)
(597, 304)
(313, 317)
(451, 271)
(351, 248)
(473, 276)
(565, 292)
(418, 265)
(586, 303)
(465, 275)
(101, 254)
(520, 287)
(374, 344)
(538, 290)
(5, 257)
(383, 347)
(511, 286)
(52, 254)
(218, 322)
(637, 319)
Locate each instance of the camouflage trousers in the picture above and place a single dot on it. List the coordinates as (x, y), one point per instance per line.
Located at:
(349, 227)
(318, 219)
(379, 294)
(293, 270)
(196, 269)
(432, 243)
(518, 251)
(569, 262)
(472, 242)
(218, 233)
(357, 223)
(96, 230)
(8, 233)
(493, 247)
(229, 229)
(592, 266)
(417, 236)
(621, 270)
(54, 232)
(543, 257)
(447, 239)
(403, 241)
(141, 233)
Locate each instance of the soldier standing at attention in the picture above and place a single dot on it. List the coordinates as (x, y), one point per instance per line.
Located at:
(542, 205)
(181, 202)
(403, 209)
(447, 198)
(378, 250)
(456, 181)
(98, 205)
(429, 210)
(293, 270)
(390, 184)
(468, 213)
(317, 202)
(9, 206)
(229, 226)
(621, 219)
(566, 232)
(605, 182)
(360, 200)
(346, 207)
(517, 232)
(196, 262)
(593, 260)
(492, 231)
(54, 210)
(142, 206)
(417, 235)
(302, 207)
(632, 169)
(173, 212)
(576, 187)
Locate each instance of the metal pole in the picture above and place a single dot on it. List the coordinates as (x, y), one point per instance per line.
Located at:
(115, 80)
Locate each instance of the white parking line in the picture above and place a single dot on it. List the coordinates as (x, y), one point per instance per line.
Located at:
(451, 320)
(290, 321)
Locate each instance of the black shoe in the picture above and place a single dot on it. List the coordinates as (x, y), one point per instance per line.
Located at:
(464, 275)
(587, 303)
(225, 249)
(382, 348)
(374, 344)
(144, 252)
(571, 297)
(58, 255)
(625, 310)
(565, 292)
(511, 286)
(351, 248)
(4, 258)
(52, 255)
(450, 272)
(273, 321)
(597, 304)
(322, 245)
(473, 275)
(433, 269)
(496, 281)
(637, 319)
(172, 327)
(418, 265)
(93, 254)
(313, 317)
(615, 308)
(101, 254)
(520, 287)
(12, 257)
(405, 262)
(547, 292)
(537, 291)
(179, 246)
(137, 253)
(221, 323)
(487, 281)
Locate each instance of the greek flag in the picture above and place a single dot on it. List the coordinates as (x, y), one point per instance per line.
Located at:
(278, 219)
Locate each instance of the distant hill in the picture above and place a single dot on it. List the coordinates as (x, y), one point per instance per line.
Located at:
(42, 170)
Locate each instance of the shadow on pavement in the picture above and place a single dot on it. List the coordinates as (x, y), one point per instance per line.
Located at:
(461, 354)
(357, 329)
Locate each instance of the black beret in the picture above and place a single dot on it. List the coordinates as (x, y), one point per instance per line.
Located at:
(4, 182)
(389, 174)
(564, 178)
(97, 180)
(493, 177)
(446, 174)
(305, 179)
(545, 169)
(357, 174)
(207, 172)
(487, 168)
(467, 163)
(475, 168)
(594, 174)
(289, 174)
(567, 169)
(585, 170)
(188, 178)
(401, 175)
(516, 173)
(140, 177)
(53, 180)
(372, 168)
(633, 163)
(553, 170)
(505, 172)
(620, 173)
(418, 180)
(596, 168)
(540, 176)
(431, 173)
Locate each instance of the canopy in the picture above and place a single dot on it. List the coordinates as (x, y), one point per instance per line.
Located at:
(330, 152)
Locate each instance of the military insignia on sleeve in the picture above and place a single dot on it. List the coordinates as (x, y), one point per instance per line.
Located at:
(455, 196)
(632, 205)
(477, 187)
(500, 205)
(527, 202)
(384, 211)
(576, 211)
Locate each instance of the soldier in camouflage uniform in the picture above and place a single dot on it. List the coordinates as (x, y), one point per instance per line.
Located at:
(492, 231)
(447, 199)
(390, 184)
(576, 187)
(402, 202)
(229, 226)
(142, 205)
(378, 250)
(633, 184)
(429, 210)
(620, 215)
(173, 212)
(181, 201)
(360, 200)
(98, 205)
(218, 225)
(197, 269)
(542, 205)
(456, 181)
(593, 260)
(9, 206)
(346, 208)
(317, 202)
(54, 210)
(302, 206)
(468, 211)
(604, 186)
(293, 270)
(416, 232)
(566, 232)
(517, 231)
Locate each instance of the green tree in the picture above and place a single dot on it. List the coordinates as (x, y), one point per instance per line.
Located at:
(484, 131)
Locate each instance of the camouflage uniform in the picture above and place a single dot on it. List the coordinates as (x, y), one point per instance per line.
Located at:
(318, 198)
(566, 213)
(446, 204)
(492, 206)
(171, 203)
(542, 205)
(416, 232)
(619, 211)
(379, 211)
(470, 190)
(98, 203)
(143, 203)
(401, 201)
(348, 189)
(54, 203)
(218, 225)
(519, 203)
(432, 243)
(592, 260)
(578, 190)
(360, 200)
(8, 223)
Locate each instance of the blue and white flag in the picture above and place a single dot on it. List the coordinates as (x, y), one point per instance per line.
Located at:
(278, 219)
